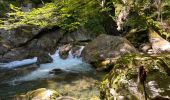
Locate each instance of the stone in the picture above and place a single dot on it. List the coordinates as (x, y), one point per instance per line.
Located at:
(3, 49)
(15, 54)
(39, 94)
(44, 58)
(77, 50)
(20, 35)
(64, 51)
(57, 71)
(145, 47)
(80, 35)
(127, 81)
(46, 42)
(106, 47)
(159, 45)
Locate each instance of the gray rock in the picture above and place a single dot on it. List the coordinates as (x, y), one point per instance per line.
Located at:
(45, 43)
(3, 49)
(64, 51)
(80, 35)
(145, 47)
(76, 51)
(44, 58)
(16, 54)
(20, 35)
(128, 80)
(159, 44)
(106, 46)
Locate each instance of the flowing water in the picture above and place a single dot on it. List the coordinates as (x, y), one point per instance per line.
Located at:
(75, 78)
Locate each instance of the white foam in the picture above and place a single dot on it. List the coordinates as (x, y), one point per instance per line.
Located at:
(69, 64)
(14, 64)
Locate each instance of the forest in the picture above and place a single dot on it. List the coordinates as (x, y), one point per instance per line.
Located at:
(84, 50)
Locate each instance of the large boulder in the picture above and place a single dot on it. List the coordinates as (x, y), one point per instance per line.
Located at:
(47, 40)
(20, 35)
(15, 54)
(159, 44)
(26, 41)
(44, 42)
(106, 46)
(138, 78)
(44, 58)
(80, 35)
(39, 94)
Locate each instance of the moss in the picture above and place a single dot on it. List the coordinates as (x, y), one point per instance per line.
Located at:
(126, 70)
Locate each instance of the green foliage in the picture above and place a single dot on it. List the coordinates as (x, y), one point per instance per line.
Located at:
(67, 14)
(39, 17)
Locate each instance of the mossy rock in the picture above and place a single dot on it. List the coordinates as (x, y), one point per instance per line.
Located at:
(39, 94)
(124, 83)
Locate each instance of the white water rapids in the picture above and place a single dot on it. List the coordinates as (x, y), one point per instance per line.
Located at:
(71, 64)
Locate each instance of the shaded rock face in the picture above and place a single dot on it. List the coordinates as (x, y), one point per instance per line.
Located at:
(44, 58)
(137, 78)
(106, 46)
(77, 50)
(47, 41)
(3, 49)
(43, 42)
(20, 35)
(137, 36)
(39, 94)
(81, 35)
(29, 41)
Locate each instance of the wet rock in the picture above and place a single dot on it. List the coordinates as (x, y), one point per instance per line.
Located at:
(64, 51)
(43, 43)
(77, 50)
(56, 71)
(105, 47)
(16, 54)
(44, 58)
(26, 42)
(137, 77)
(47, 41)
(39, 94)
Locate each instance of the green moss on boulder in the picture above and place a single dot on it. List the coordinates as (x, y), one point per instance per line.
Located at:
(124, 79)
